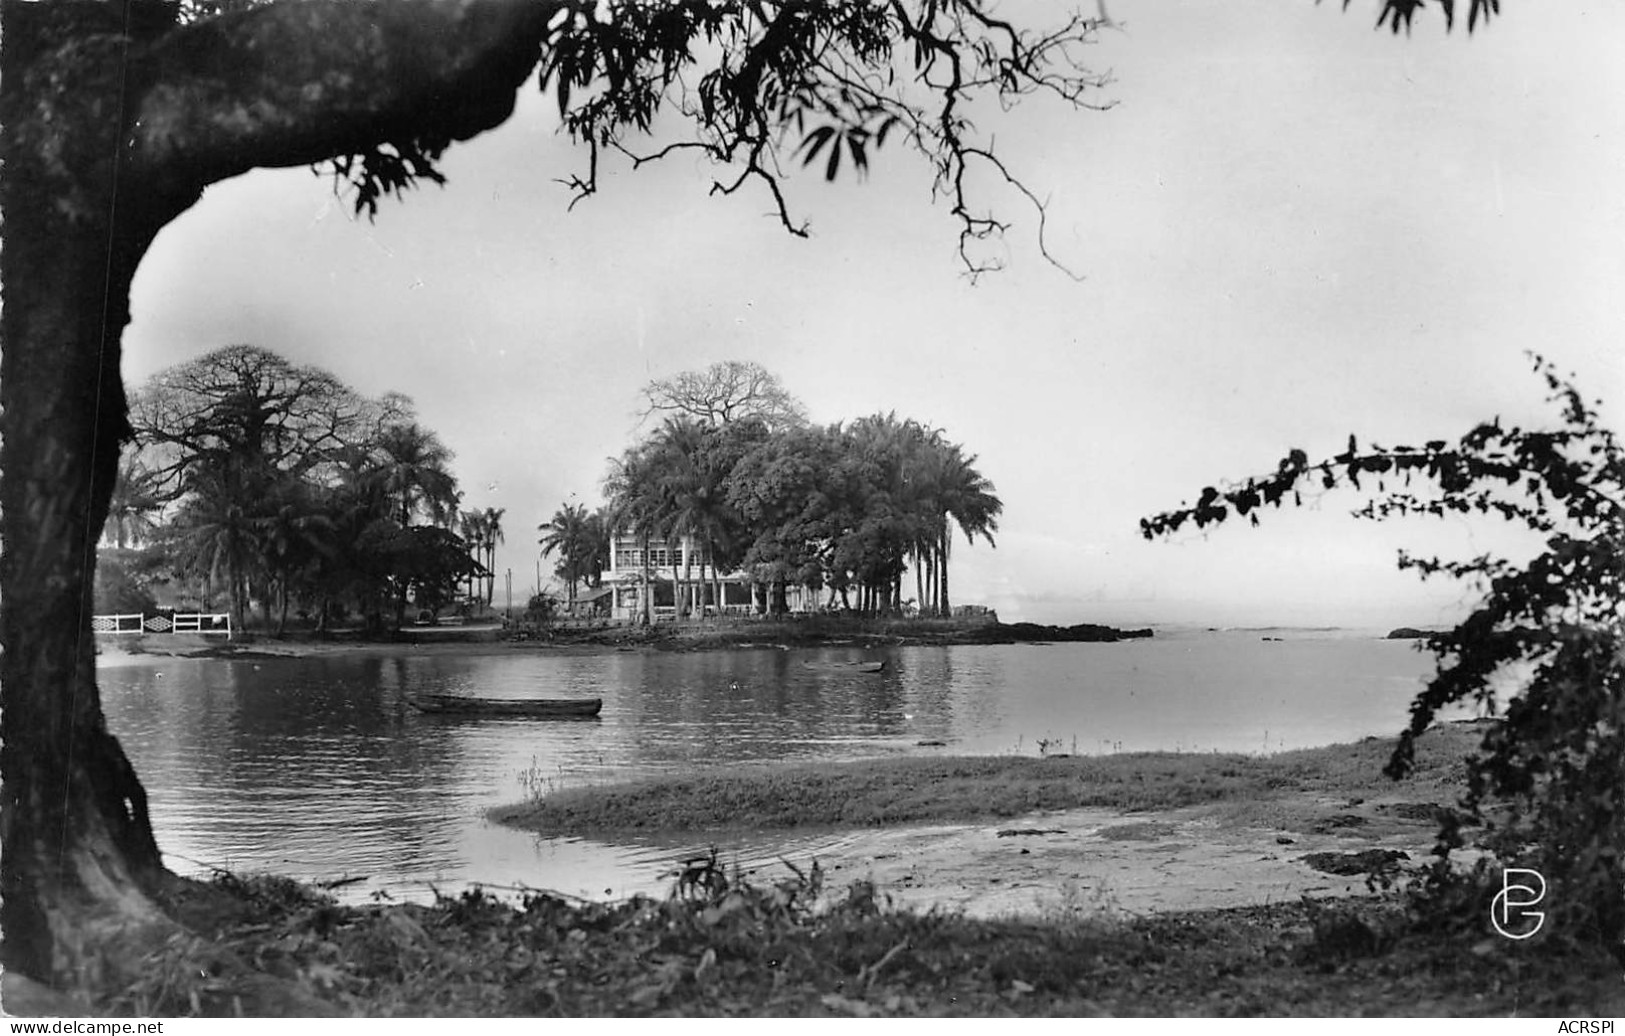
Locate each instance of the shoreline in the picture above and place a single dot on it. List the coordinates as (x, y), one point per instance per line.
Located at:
(815, 631)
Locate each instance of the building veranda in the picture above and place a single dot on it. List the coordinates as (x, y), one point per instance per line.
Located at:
(681, 583)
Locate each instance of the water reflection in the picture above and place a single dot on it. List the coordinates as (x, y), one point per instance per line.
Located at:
(320, 768)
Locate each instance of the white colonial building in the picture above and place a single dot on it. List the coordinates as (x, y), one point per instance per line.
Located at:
(674, 578)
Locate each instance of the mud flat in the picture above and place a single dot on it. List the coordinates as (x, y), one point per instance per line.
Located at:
(995, 836)
(1095, 861)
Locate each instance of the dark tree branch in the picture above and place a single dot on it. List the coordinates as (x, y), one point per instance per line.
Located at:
(300, 83)
(822, 81)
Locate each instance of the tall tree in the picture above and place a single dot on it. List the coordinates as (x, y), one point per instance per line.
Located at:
(637, 505)
(702, 502)
(569, 534)
(408, 464)
(471, 527)
(966, 497)
(676, 472)
(219, 529)
(490, 536)
(134, 505)
(411, 466)
(731, 390)
(245, 405)
(119, 115)
(789, 492)
(294, 536)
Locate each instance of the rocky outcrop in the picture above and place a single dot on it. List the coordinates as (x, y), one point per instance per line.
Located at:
(1033, 633)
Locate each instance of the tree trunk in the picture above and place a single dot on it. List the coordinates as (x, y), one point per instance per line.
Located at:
(282, 613)
(919, 582)
(717, 587)
(646, 590)
(80, 864)
(931, 579)
(688, 582)
(491, 569)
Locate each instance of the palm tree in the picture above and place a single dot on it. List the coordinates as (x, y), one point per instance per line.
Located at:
(410, 465)
(567, 534)
(675, 451)
(219, 540)
(361, 515)
(471, 527)
(293, 535)
(595, 549)
(920, 462)
(635, 504)
(135, 502)
(882, 526)
(966, 497)
(491, 535)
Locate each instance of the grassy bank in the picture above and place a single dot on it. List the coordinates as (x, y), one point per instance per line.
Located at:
(733, 949)
(916, 790)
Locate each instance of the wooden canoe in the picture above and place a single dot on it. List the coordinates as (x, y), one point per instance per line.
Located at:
(847, 667)
(540, 708)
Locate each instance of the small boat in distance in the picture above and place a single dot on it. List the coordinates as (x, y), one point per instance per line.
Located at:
(539, 708)
(848, 667)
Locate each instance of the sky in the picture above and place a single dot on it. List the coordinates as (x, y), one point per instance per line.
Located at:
(1287, 228)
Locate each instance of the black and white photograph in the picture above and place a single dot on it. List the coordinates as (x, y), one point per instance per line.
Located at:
(880, 509)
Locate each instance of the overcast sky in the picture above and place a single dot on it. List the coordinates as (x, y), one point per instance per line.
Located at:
(1289, 228)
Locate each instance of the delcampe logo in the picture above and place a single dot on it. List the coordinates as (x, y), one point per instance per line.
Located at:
(1509, 911)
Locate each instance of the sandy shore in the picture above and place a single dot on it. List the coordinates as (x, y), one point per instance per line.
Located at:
(1093, 861)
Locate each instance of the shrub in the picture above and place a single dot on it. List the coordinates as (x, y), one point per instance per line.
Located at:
(1548, 779)
(123, 584)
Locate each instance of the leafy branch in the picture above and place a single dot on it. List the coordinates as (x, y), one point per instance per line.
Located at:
(1554, 756)
(758, 85)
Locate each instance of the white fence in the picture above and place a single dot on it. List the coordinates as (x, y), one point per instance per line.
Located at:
(177, 622)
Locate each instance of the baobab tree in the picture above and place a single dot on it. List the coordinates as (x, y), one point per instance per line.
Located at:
(726, 391)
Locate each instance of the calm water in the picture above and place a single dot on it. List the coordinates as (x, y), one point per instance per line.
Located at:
(320, 769)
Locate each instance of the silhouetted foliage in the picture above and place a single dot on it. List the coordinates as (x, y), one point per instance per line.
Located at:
(1400, 14)
(1548, 781)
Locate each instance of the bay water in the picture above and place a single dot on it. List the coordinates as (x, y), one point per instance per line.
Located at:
(320, 769)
